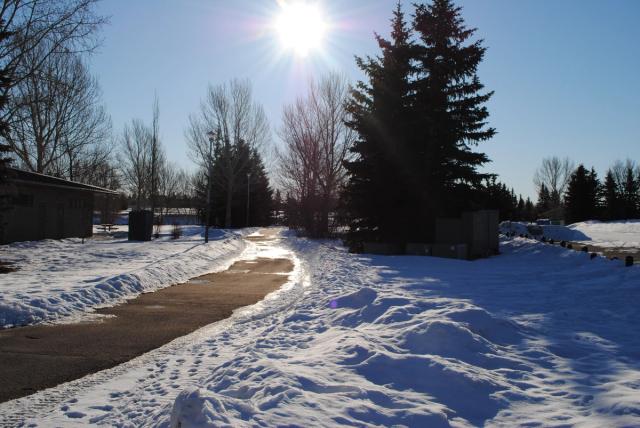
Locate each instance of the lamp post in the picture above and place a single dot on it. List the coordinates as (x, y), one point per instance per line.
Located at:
(211, 136)
(248, 195)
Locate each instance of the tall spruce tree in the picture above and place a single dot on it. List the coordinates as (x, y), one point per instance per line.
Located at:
(418, 118)
(521, 210)
(612, 209)
(544, 199)
(582, 196)
(451, 114)
(376, 196)
(251, 181)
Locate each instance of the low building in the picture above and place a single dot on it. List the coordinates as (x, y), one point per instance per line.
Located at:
(46, 207)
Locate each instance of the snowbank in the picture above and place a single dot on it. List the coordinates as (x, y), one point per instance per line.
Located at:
(66, 279)
(539, 336)
(614, 234)
(517, 339)
(611, 234)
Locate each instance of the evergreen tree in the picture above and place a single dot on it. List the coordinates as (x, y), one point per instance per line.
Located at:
(529, 211)
(451, 113)
(630, 195)
(582, 197)
(417, 117)
(595, 194)
(611, 198)
(544, 199)
(376, 197)
(521, 210)
(499, 197)
(251, 182)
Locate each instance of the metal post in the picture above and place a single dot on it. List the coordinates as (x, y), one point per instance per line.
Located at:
(248, 195)
(211, 135)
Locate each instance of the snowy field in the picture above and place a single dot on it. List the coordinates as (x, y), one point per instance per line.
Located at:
(614, 234)
(539, 336)
(63, 280)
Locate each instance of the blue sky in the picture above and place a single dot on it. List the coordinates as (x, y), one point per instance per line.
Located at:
(566, 73)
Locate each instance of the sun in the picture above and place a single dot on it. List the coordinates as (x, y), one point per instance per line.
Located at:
(301, 26)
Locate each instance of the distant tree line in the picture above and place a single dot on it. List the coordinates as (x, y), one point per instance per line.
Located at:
(574, 194)
(615, 198)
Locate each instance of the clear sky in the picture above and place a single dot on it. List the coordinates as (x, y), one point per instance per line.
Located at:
(566, 73)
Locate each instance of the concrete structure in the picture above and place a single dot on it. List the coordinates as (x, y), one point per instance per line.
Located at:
(474, 235)
(46, 207)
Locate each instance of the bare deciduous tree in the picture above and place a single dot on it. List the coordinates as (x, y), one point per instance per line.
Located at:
(555, 174)
(58, 121)
(135, 160)
(316, 144)
(143, 161)
(229, 112)
(47, 27)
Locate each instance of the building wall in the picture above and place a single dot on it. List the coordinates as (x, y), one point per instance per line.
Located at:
(41, 212)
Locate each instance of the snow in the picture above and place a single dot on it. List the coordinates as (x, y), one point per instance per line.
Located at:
(64, 280)
(614, 234)
(538, 336)
(611, 234)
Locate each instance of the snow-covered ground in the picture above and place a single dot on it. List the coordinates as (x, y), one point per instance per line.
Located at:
(614, 234)
(62, 280)
(539, 336)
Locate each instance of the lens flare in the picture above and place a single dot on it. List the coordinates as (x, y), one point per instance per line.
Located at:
(301, 27)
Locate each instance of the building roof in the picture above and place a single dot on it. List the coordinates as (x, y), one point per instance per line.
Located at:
(19, 176)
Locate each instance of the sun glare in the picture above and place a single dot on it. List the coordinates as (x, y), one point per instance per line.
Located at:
(301, 26)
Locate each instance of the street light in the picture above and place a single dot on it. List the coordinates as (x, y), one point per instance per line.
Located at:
(248, 195)
(211, 137)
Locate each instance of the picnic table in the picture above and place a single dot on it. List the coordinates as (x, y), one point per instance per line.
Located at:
(108, 227)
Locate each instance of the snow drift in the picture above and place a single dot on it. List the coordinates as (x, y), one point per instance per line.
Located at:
(65, 279)
(613, 234)
(538, 336)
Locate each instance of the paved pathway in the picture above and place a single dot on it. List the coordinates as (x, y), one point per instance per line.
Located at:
(39, 357)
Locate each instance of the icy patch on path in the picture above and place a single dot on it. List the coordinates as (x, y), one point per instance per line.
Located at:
(64, 280)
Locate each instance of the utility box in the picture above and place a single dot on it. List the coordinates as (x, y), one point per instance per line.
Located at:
(140, 225)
